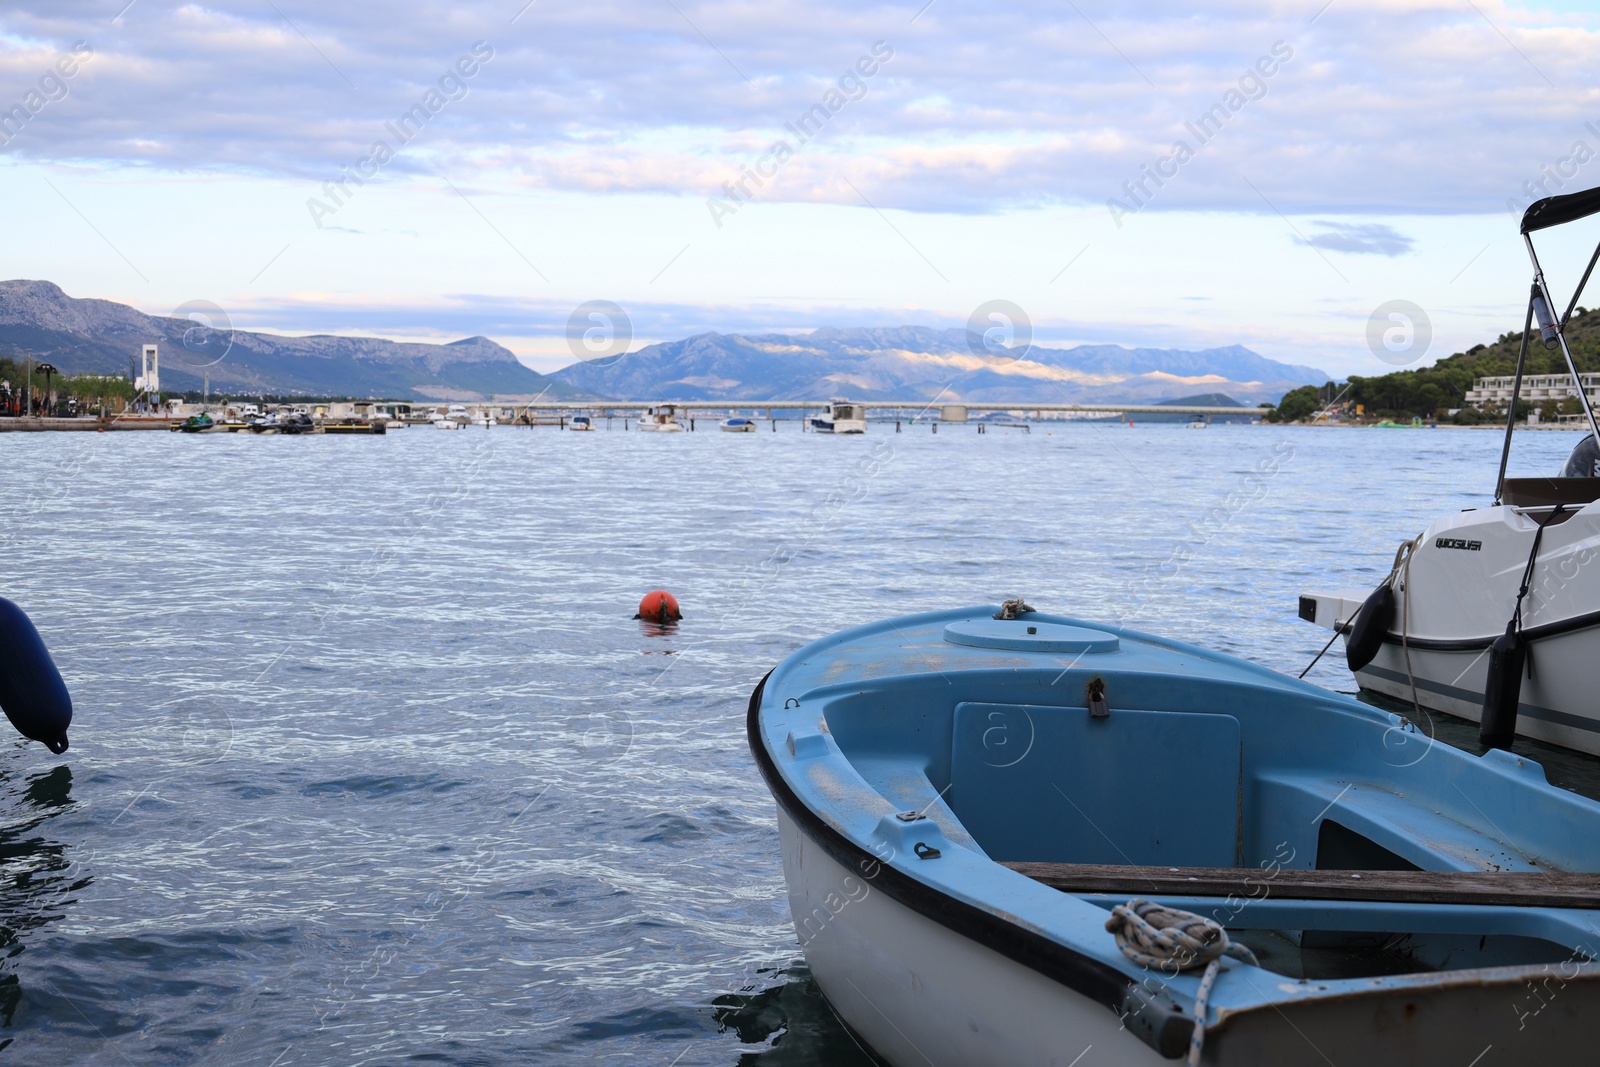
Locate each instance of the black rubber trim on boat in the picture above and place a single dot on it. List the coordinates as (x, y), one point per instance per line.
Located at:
(1145, 1015)
(1477, 644)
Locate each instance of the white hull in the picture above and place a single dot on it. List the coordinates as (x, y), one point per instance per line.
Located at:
(1460, 593)
(660, 427)
(1566, 675)
(840, 416)
(918, 993)
(839, 426)
(956, 1001)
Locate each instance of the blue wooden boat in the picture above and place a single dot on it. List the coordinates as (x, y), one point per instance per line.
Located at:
(1013, 839)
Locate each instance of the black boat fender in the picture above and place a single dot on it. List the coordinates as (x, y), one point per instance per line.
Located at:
(1502, 689)
(1369, 627)
(1508, 655)
(32, 694)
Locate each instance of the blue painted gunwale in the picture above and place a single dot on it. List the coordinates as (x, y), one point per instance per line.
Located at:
(867, 733)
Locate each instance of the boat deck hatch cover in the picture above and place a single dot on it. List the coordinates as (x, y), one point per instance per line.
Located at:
(1020, 635)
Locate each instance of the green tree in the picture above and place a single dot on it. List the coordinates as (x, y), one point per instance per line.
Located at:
(1296, 404)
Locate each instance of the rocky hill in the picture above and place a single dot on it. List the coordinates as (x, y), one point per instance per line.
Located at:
(917, 363)
(40, 321)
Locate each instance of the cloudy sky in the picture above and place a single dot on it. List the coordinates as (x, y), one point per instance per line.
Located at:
(1264, 173)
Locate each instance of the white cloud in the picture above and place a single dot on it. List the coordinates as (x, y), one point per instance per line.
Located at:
(1373, 238)
(1386, 106)
(181, 161)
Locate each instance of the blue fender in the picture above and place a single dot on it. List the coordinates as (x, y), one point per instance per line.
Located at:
(32, 693)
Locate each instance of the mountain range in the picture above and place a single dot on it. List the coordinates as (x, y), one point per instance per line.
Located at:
(79, 336)
(918, 363)
(86, 336)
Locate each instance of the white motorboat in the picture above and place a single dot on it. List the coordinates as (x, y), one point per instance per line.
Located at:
(660, 419)
(581, 422)
(1493, 614)
(1198, 422)
(737, 425)
(446, 424)
(393, 416)
(840, 416)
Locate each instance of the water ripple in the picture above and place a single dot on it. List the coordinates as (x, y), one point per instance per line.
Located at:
(371, 764)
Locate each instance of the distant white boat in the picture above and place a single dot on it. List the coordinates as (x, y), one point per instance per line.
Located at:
(840, 416)
(662, 419)
(738, 425)
(446, 424)
(581, 422)
(1198, 422)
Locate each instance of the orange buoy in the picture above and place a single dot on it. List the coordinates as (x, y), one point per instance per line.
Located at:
(659, 605)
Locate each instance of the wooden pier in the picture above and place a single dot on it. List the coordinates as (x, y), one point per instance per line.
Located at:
(89, 423)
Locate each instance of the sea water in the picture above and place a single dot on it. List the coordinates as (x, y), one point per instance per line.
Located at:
(371, 764)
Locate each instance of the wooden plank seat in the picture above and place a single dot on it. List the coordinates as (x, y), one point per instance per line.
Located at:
(1528, 889)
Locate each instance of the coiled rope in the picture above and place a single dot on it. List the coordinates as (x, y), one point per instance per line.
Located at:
(1172, 940)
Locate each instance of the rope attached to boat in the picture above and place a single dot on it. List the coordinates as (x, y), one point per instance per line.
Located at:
(1527, 573)
(1173, 940)
(1408, 549)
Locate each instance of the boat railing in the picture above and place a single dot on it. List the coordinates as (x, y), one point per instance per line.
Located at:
(1551, 211)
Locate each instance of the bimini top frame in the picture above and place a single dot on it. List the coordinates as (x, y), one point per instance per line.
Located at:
(1541, 215)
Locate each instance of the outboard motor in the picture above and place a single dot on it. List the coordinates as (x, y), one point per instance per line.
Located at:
(1584, 461)
(32, 694)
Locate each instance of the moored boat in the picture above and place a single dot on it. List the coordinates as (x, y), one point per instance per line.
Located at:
(297, 422)
(737, 424)
(979, 813)
(1492, 614)
(660, 419)
(200, 423)
(840, 416)
(581, 422)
